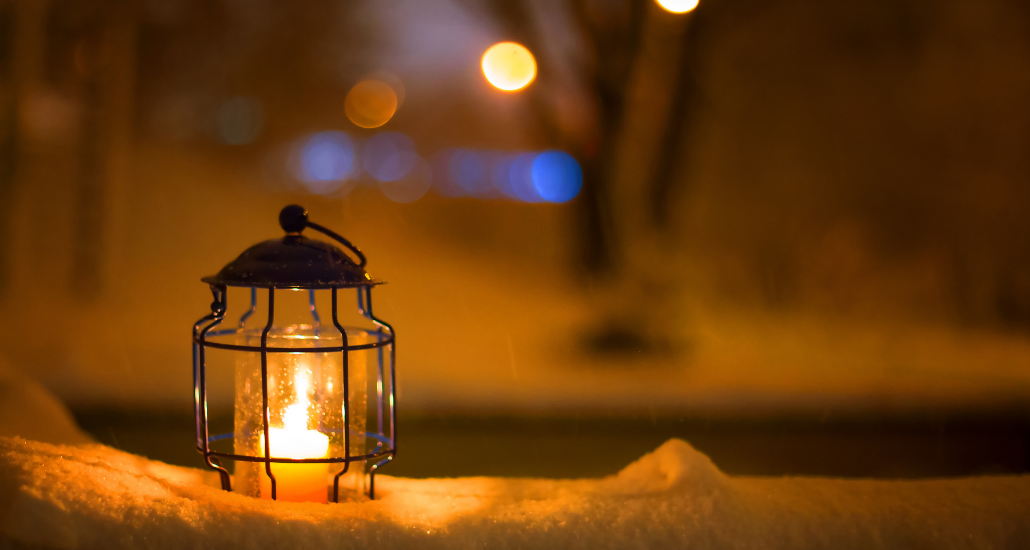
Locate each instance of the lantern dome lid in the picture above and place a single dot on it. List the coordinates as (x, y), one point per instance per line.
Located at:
(295, 261)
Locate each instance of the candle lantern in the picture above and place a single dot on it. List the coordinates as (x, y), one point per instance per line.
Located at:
(300, 386)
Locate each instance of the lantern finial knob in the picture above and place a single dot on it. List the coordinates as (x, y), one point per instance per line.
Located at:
(293, 218)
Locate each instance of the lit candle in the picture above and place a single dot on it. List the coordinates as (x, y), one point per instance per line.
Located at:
(296, 482)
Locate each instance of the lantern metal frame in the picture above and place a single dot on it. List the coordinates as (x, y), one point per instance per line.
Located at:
(385, 449)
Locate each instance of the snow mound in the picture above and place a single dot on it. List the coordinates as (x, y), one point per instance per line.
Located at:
(93, 496)
(30, 411)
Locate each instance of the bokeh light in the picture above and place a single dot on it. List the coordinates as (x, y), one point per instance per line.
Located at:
(532, 177)
(521, 177)
(443, 184)
(370, 103)
(391, 80)
(469, 169)
(500, 175)
(412, 186)
(323, 161)
(678, 6)
(557, 176)
(509, 66)
(239, 120)
(389, 156)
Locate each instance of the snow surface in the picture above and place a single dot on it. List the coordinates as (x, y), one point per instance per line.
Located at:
(28, 410)
(93, 496)
(78, 494)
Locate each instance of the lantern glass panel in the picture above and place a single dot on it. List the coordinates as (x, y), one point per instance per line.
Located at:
(305, 392)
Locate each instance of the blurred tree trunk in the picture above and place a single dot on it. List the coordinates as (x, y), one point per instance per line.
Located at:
(71, 88)
(8, 140)
(612, 33)
(633, 288)
(668, 176)
(616, 41)
(105, 58)
(24, 29)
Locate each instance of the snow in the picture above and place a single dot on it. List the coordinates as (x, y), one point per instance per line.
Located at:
(59, 490)
(28, 410)
(91, 496)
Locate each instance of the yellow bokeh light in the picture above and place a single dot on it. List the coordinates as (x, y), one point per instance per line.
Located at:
(509, 66)
(678, 6)
(370, 103)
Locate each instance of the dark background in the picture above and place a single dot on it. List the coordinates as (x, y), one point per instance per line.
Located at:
(801, 242)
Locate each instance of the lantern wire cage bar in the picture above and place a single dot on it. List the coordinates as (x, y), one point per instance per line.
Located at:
(386, 443)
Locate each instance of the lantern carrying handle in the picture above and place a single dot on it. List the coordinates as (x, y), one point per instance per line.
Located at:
(294, 218)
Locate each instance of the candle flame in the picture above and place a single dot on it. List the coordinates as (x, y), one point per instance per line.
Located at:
(296, 417)
(301, 385)
(294, 439)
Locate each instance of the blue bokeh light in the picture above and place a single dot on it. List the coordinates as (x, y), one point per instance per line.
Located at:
(443, 183)
(521, 177)
(469, 170)
(389, 156)
(500, 175)
(326, 156)
(412, 186)
(556, 176)
(528, 176)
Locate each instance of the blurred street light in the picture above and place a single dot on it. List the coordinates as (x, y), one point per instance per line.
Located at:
(677, 6)
(370, 103)
(323, 161)
(509, 66)
(532, 177)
